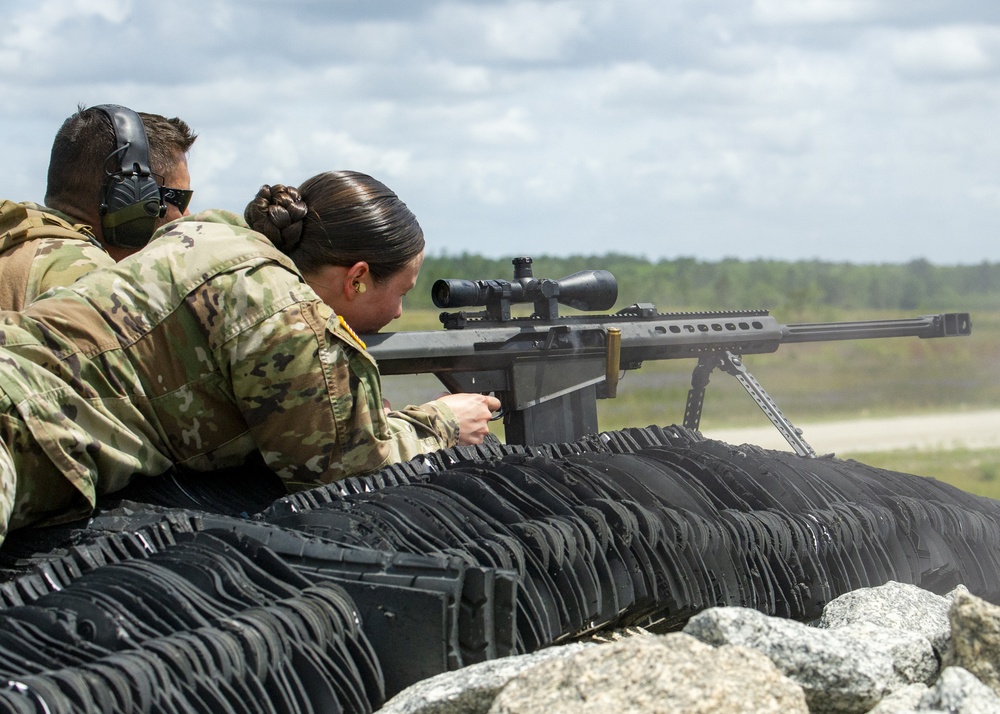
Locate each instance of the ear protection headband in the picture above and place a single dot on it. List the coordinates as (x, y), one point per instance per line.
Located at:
(130, 199)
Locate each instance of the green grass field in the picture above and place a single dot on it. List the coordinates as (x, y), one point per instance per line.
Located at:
(973, 470)
(817, 382)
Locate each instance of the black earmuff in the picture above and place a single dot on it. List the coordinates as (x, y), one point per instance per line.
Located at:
(130, 201)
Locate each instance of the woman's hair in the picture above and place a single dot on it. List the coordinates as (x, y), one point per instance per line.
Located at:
(338, 218)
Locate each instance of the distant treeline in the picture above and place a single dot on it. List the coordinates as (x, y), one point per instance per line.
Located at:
(689, 284)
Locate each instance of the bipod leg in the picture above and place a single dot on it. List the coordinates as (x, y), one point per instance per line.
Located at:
(733, 364)
(696, 395)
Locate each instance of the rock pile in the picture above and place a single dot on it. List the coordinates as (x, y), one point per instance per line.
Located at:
(892, 649)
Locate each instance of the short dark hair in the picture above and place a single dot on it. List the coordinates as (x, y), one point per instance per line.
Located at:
(78, 163)
(338, 218)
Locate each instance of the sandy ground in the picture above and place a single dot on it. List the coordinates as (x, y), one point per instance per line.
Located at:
(973, 430)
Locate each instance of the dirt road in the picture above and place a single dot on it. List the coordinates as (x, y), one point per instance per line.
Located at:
(973, 430)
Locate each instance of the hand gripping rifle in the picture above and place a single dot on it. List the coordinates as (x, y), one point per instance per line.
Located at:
(549, 371)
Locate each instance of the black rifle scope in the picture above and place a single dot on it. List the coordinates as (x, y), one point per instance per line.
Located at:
(585, 290)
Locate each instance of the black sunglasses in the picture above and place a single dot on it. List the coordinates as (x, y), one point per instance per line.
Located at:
(179, 197)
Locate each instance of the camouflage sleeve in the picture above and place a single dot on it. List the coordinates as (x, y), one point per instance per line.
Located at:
(312, 398)
(419, 430)
(60, 261)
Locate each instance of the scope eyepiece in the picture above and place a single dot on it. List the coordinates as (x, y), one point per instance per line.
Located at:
(461, 293)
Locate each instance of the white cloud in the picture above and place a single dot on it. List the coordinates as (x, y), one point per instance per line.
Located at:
(508, 125)
(517, 31)
(814, 11)
(512, 126)
(372, 159)
(461, 79)
(946, 51)
(989, 194)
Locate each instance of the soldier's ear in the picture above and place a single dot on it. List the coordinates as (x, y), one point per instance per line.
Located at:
(357, 278)
(358, 270)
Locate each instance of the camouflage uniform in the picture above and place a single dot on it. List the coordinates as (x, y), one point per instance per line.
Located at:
(198, 350)
(41, 248)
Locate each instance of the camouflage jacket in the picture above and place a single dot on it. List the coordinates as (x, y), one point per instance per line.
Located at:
(41, 248)
(198, 350)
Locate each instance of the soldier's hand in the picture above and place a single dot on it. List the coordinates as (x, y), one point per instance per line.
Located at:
(473, 412)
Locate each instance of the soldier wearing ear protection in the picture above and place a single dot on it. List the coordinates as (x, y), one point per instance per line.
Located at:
(114, 177)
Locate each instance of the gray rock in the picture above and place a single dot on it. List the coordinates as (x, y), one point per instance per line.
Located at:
(958, 589)
(844, 670)
(975, 638)
(470, 690)
(957, 691)
(895, 605)
(902, 701)
(671, 673)
(851, 664)
(914, 660)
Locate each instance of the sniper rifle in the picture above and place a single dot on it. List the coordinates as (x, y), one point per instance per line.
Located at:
(549, 370)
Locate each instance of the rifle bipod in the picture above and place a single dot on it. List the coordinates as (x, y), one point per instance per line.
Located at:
(733, 364)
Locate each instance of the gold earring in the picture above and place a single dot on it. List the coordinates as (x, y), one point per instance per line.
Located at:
(359, 287)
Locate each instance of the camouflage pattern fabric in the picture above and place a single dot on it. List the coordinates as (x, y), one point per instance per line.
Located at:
(198, 350)
(41, 248)
(8, 488)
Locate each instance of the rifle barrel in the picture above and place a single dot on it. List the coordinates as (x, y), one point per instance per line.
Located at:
(951, 324)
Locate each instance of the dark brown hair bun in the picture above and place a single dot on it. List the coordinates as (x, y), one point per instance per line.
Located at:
(277, 212)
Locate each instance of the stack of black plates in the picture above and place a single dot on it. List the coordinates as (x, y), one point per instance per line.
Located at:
(207, 624)
(213, 592)
(649, 526)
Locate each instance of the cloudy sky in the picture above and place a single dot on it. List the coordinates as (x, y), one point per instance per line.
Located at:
(844, 130)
